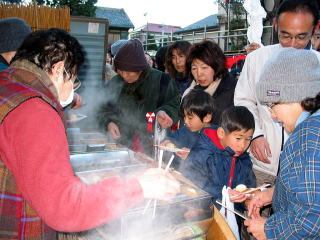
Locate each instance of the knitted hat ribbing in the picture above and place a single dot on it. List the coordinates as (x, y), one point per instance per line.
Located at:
(12, 33)
(290, 75)
(116, 46)
(130, 57)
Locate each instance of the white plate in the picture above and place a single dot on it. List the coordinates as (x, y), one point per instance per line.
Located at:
(168, 149)
(77, 119)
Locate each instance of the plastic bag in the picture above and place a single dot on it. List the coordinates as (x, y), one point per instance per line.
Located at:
(256, 13)
(228, 215)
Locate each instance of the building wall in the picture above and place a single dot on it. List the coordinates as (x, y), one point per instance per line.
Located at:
(92, 34)
(117, 34)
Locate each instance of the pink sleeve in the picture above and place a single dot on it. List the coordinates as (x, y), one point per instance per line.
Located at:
(38, 157)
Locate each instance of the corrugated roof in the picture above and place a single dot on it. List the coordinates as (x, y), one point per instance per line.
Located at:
(210, 22)
(117, 17)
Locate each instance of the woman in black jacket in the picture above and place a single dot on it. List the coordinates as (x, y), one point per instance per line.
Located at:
(206, 63)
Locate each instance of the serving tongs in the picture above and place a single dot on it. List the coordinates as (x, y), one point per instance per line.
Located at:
(159, 135)
(232, 210)
(250, 191)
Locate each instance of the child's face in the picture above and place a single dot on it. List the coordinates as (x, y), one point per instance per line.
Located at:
(238, 140)
(194, 123)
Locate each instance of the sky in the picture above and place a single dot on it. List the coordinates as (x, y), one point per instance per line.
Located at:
(170, 12)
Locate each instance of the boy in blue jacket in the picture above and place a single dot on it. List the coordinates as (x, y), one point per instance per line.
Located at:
(219, 158)
(197, 109)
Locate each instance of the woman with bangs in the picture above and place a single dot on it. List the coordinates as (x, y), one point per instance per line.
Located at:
(176, 64)
(206, 64)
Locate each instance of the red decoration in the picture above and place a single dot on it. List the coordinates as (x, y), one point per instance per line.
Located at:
(231, 60)
(150, 117)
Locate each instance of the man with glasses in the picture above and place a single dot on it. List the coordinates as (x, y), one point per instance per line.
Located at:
(295, 22)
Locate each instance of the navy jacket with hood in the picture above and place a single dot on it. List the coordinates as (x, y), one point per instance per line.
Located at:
(208, 166)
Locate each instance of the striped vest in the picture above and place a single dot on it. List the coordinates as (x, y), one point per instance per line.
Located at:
(17, 218)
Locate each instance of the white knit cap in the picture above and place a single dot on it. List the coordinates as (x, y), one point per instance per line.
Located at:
(290, 75)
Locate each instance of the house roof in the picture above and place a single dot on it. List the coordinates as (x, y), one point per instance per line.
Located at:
(158, 28)
(117, 17)
(210, 22)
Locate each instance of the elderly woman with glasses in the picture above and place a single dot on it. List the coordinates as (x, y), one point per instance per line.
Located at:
(39, 192)
(290, 86)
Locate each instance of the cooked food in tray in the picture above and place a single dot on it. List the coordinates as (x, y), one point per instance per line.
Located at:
(170, 147)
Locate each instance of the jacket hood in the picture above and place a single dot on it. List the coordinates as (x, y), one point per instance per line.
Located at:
(211, 142)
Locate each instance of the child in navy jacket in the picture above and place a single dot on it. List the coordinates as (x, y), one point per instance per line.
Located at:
(197, 109)
(220, 158)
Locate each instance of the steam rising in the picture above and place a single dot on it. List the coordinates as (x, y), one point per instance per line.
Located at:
(133, 225)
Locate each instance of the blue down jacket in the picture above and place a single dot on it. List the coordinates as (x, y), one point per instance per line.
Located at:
(183, 137)
(208, 166)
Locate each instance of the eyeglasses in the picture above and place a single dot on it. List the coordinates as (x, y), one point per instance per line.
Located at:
(271, 105)
(74, 79)
(300, 38)
(76, 83)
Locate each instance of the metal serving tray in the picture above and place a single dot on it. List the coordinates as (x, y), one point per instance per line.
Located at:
(104, 160)
(188, 206)
(192, 204)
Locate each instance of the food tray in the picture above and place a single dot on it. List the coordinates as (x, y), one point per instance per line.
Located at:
(169, 149)
(139, 222)
(110, 160)
(192, 204)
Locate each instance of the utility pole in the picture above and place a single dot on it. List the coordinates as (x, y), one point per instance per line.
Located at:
(146, 13)
(228, 22)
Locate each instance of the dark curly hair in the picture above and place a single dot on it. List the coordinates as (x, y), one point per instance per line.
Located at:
(181, 46)
(45, 48)
(311, 104)
(211, 54)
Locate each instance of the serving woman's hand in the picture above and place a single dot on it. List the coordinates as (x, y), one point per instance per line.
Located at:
(158, 184)
(164, 120)
(114, 131)
(260, 200)
(256, 227)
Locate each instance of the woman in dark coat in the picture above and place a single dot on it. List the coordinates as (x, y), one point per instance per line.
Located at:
(206, 64)
(136, 96)
(176, 64)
